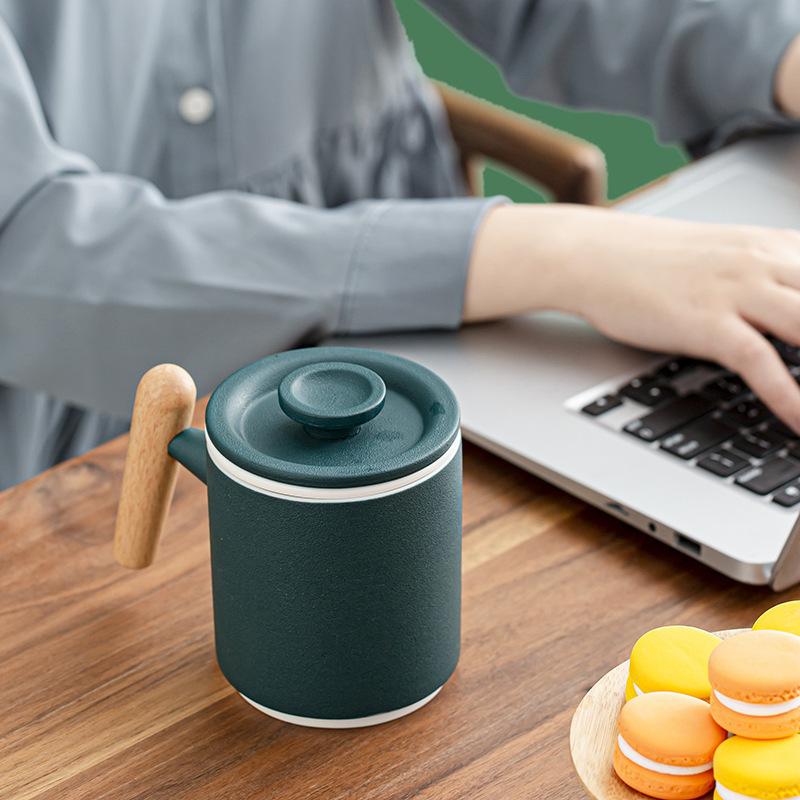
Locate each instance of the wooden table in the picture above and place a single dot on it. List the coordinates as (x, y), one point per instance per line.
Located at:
(110, 689)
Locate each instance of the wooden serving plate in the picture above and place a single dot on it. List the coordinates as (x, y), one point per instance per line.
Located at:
(593, 735)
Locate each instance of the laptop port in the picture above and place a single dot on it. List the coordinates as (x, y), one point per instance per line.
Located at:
(687, 544)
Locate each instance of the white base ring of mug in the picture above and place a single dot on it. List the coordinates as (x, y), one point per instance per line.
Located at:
(358, 722)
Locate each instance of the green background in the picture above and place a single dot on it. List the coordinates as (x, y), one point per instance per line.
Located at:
(633, 155)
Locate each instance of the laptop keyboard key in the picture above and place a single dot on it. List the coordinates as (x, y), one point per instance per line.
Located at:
(758, 444)
(728, 387)
(648, 392)
(788, 496)
(601, 405)
(697, 437)
(777, 427)
(669, 417)
(673, 368)
(747, 413)
(723, 463)
(789, 353)
(769, 476)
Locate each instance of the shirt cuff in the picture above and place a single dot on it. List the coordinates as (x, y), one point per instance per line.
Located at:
(409, 265)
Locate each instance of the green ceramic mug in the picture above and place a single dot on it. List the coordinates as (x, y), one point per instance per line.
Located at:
(334, 496)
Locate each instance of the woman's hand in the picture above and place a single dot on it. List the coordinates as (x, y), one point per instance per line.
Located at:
(710, 291)
(787, 81)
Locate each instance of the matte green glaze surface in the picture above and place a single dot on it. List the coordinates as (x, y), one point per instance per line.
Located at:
(332, 399)
(189, 448)
(337, 610)
(417, 423)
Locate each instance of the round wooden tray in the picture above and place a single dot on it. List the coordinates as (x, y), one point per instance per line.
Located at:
(594, 733)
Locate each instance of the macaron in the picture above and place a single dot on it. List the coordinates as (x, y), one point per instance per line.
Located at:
(671, 659)
(785, 617)
(755, 680)
(746, 769)
(665, 745)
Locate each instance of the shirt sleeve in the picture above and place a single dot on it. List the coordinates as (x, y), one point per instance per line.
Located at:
(692, 66)
(101, 276)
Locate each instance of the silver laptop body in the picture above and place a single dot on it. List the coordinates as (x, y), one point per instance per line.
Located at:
(523, 384)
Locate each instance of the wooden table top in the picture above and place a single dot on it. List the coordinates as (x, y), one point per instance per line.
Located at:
(110, 689)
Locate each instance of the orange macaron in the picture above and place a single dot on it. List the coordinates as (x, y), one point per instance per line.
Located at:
(755, 682)
(666, 744)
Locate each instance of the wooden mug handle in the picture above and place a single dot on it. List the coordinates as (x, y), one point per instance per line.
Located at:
(163, 407)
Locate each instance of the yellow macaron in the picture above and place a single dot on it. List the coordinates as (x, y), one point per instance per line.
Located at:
(755, 680)
(671, 659)
(746, 769)
(785, 617)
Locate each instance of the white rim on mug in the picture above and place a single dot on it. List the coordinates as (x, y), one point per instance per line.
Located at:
(340, 724)
(313, 494)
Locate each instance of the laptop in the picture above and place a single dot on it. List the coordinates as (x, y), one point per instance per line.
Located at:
(678, 448)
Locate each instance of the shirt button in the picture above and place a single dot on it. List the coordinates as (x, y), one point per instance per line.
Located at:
(196, 105)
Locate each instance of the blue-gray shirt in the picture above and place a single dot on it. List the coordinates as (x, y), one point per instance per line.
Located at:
(210, 181)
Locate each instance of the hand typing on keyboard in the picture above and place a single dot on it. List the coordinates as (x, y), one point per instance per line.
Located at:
(708, 291)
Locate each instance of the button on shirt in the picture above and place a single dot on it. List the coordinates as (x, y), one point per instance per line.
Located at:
(196, 105)
(210, 181)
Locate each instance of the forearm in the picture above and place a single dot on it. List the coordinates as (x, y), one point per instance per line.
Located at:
(542, 257)
(519, 261)
(787, 81)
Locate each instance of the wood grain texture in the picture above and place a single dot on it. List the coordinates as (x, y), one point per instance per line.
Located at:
(593, 735)
(110, 689)
(571, 169)
(163, 407)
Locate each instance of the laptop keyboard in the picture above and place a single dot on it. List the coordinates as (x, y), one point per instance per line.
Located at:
(708, 418)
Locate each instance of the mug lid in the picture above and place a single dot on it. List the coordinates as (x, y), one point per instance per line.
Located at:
(332, 417)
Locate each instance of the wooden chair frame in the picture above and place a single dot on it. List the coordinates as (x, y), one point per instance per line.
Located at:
(572, 170)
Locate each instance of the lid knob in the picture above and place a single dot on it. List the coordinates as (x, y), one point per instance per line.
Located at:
(332, 399)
